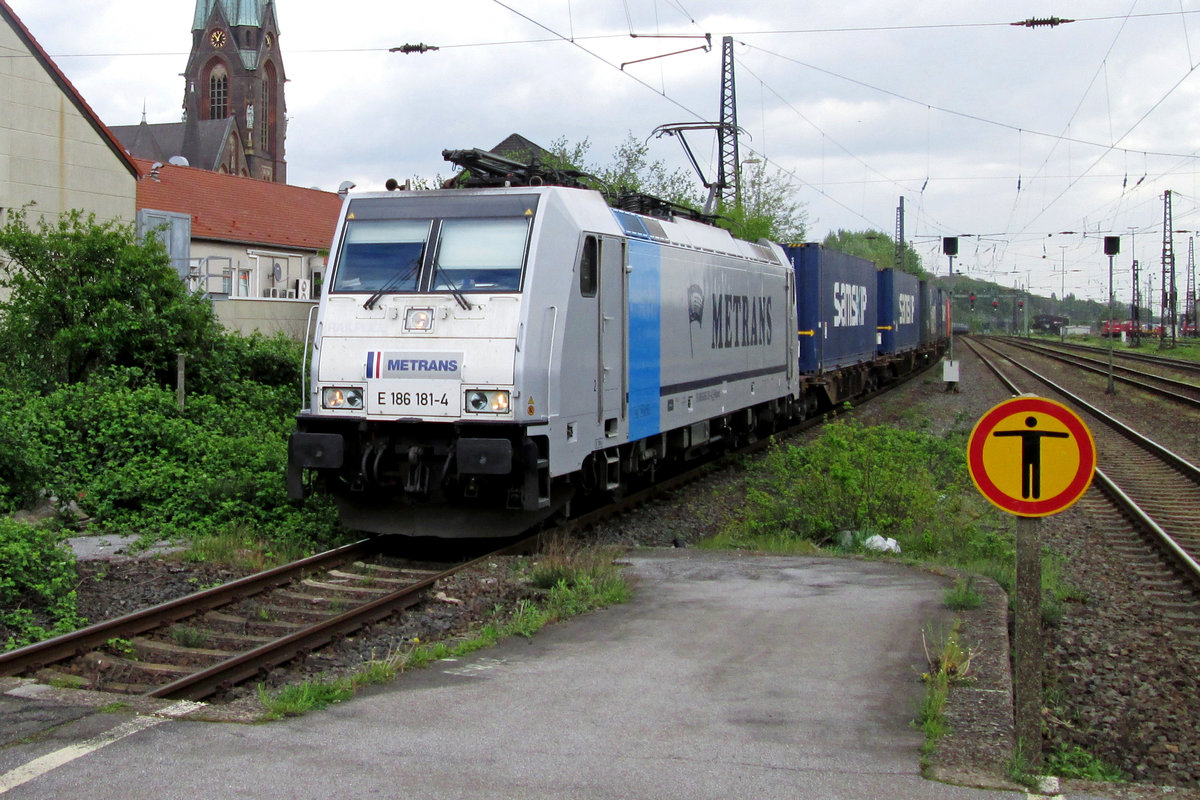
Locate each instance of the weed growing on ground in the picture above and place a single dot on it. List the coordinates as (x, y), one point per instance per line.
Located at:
(121, 647)
(1075, 762)
(949, 663)
(37, 585)
(187, 636)
(563, 559)
(116, 707)
(1018, 768)
(963, 595)
(242, 550)
(299, 698)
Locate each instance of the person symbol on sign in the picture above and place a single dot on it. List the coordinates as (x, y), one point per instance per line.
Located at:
(1031, 456)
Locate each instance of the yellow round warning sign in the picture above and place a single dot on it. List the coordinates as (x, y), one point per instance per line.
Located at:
(1031, 456)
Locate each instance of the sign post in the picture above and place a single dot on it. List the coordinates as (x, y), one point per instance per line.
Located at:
(1031, 457)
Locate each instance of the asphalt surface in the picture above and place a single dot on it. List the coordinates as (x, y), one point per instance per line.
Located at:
(726, 677)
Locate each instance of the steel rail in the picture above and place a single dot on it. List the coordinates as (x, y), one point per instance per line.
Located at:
(35, 656)
(1100, 368)
(1143, 520)
(1183, 365)
(234, 670)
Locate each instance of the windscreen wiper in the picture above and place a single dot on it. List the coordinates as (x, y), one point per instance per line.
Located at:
(456, 293)
(402, 274)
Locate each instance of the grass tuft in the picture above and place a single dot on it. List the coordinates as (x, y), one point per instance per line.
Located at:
(963, 596)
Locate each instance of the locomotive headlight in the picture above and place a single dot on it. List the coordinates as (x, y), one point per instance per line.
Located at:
(341, 397)
(481, 402)
(418, 319)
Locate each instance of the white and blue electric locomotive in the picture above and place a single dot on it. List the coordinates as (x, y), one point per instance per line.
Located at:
(481, 356)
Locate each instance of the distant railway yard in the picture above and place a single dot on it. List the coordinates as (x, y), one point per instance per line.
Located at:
(1122, 633)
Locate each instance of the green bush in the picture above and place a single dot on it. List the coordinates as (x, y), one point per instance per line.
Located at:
(272, 361)
(901, 484)
(37, 584)
(87, 296)
(137, 464)
(22, 457)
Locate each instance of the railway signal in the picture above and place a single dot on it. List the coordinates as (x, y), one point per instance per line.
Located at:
(995, 304)
(972, 301)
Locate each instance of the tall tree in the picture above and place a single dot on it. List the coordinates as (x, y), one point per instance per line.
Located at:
(768, 208)
(875, 246)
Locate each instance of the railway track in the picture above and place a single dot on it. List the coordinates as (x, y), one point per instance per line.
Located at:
(1150, 491)
(1140, 356)
(209, 641)
(1179, 391)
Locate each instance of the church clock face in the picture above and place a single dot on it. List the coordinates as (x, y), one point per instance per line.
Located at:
(217, 38)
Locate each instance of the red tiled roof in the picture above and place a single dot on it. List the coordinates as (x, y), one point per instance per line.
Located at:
(56, 74)
(229, 208)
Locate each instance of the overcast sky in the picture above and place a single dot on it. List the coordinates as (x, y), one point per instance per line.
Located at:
(1030, 143)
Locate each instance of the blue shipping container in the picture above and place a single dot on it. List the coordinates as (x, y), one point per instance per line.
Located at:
(899, 321)
(836, 301)
(933, 313)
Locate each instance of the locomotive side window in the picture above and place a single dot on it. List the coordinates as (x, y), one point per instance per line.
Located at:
(588, 261)
(481, 255)
(382, 255)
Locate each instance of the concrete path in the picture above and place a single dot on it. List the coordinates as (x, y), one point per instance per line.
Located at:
(727, 677)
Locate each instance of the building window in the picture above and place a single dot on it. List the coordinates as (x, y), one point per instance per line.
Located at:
(270, 109)
(243, 284)
(218, 94)
(264, 126)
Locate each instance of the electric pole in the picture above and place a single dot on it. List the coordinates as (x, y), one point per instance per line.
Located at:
(727, 132)
(1168, 274)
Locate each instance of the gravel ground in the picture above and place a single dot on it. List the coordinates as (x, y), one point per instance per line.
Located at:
(1120, 684)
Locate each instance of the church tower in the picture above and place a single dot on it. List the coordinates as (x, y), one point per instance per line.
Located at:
(235, 72)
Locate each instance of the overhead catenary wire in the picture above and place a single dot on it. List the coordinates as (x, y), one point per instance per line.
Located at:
(574, 34)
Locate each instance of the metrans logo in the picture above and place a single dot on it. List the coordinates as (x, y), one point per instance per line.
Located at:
(414, 365)
(849, 305)
(741, 320)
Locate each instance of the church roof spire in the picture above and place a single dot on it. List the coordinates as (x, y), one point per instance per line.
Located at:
(237, 12)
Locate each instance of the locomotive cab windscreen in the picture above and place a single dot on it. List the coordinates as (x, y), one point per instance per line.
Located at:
(448, 252)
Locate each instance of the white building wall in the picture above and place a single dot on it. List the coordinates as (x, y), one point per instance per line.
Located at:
(50, 154)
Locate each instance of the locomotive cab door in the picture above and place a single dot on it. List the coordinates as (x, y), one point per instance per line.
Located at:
(793, 347)
(612, 336)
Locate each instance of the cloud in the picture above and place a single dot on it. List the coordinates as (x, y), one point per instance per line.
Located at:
(943, 103)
